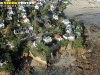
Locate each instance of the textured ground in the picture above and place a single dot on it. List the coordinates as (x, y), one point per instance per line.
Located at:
(88, 13)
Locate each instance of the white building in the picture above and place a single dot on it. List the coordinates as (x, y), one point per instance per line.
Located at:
(68, 30)
(26, 20)
(47, 39)
(37, 7)
(40, 3)
(2, 63)
(66, 21)
(70, 37)
(68, 26)
(23, 10)
(55, 17)
(58, 37)
(23, 14)
(2, 25)
(30, 28)
(65, 36)
(9, 16)
(10, 12)
(35, 43)
(20, 7)
(52, 7)
(18, 24)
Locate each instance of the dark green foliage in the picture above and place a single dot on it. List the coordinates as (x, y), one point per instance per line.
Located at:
(38, 14)
(10, 34)
(46, 10)
(16, 44)
(26, 49)
(61, 7)
(24, 24)
(9, 66)
(42, 47)
(77, 43)
(59, 31)
(7, 57)
(2, 39)
(64, 43)
(50, 29)
(35, 30)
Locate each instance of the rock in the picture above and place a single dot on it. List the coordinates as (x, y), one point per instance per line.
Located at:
(81, 51)
(78, 69)
(87, 72)
(84, 57)
(90, 50)
(95, 72)
(87, 66)
(88, 55)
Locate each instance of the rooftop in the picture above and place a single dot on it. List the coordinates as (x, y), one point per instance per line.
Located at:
(57, 36)
(9, 7)
(47, 39)
(66, 21)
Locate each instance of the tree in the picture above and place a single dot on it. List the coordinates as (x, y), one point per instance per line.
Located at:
(38, 13)
(46, 10)
(16, 43)
(24, 24)
(36, 30)
(64, 43)
(61, 7)
(59, 31)
(78, 43)
(2, 39)
(32, 13)
(36, 26)
(9, 66)
(26, 49)
(42, 47)
(10, 34)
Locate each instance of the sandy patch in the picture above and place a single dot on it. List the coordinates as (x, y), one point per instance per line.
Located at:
(88, 13)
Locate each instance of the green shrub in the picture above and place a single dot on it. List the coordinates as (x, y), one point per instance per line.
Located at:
(77, 43)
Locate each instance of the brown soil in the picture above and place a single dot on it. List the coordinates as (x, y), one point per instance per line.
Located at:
(87, 60)
(33, 64)
(4, 73)
(77, 62)
(92, 66)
